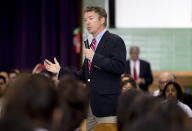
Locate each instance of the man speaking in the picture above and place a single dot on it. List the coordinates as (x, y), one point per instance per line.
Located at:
(102, 68)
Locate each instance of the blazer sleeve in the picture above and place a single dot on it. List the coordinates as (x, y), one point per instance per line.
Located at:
(149, 77)
(73, 72)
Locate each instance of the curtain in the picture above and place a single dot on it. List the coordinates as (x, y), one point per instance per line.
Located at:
(32, 30)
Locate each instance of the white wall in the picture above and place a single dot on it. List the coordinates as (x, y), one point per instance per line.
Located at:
(153, 13)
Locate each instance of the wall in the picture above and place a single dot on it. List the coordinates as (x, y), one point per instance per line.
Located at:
(165, 48)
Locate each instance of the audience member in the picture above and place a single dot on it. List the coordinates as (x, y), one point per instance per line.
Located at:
(73, 104)
(16, 122)
(5, 74)
(162, 117)
(126, 100)
(139, 69)
(172, 93)
(13, 73)
(166, 77)
(2, 85)
(32, 96)
(125, 77)
(128, 84)
(3, 89)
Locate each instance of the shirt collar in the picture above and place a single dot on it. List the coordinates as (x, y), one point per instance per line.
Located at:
(99, 36)
(134, 62)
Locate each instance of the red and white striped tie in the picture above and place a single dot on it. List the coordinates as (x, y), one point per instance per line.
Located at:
(93, 48)
(134, 72)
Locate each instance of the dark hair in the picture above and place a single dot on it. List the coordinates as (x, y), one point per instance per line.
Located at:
(15, 122)
(33, 96)
(137, 108)
(73, 101)
(2, 77)
(177, 87)
(15, 71)
(162, 117)
(131, 81)
(124, 103)
(126, 75)
(99, 10)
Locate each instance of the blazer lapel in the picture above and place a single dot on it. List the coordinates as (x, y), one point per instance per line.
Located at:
(100, 47)
(140, 70)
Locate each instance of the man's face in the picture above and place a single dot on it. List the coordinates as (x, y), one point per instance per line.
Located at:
(12, 76)
(134, 56)
(94, 24)
(171, 93)
(163, 81)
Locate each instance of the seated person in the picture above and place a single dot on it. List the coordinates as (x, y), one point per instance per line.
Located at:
(164, 78)
(125, 77)
(172, 93)
(128, 84)
(13, 73)
(5, 74)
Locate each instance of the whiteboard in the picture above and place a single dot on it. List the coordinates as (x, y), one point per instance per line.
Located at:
(153, 13)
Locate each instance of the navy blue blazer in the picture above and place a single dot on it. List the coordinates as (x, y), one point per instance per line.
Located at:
(104, 79)
(145, 73)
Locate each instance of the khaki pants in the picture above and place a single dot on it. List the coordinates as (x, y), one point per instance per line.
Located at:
(92, 120)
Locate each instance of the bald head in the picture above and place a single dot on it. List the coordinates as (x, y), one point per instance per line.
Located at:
(164, 78)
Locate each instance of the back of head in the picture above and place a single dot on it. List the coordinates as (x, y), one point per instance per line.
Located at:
(139, 108)
(125, 101)
(162, 117)
(73, 101)
(15, 122)
(33, 96)
(170, 114)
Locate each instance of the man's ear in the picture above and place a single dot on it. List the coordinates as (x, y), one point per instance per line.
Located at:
(102, 20)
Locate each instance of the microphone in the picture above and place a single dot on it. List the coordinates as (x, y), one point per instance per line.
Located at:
(86, 42)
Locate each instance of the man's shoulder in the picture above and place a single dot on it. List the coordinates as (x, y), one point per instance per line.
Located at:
(112, 36)
(128, 61)
(144, 61)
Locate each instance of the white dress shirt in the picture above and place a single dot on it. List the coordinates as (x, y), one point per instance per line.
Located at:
(137, 65)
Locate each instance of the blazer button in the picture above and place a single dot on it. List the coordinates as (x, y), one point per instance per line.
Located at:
(88, 80)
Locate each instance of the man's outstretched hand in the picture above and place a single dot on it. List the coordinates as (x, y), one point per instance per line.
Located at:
(52, 67)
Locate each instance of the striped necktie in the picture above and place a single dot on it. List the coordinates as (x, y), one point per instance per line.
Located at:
(93, 48)
(134, 72)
